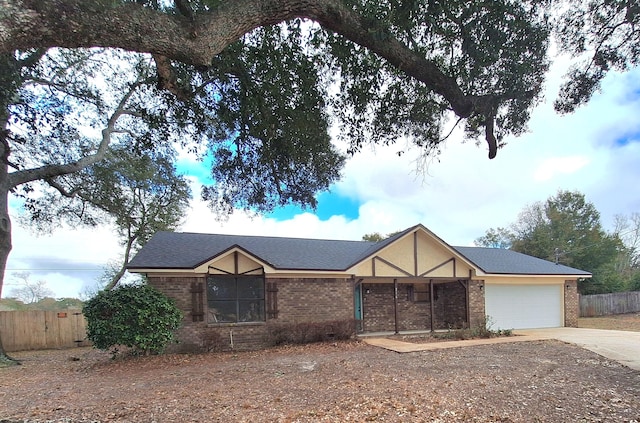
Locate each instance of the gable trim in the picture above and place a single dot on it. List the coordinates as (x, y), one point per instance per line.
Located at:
(373, 255)
(388, 263)
(444, 263)
(206, 265)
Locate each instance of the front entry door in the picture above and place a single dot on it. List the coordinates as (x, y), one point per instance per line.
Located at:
(358, 307)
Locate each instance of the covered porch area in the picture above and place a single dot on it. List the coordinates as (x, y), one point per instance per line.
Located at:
(413, 304)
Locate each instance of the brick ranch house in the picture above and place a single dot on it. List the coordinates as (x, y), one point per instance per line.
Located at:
(235, 286)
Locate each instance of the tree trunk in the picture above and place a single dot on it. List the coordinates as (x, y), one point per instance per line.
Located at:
(5, 246)
(5, 219)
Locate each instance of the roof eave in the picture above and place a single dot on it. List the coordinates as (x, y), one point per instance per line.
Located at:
(566, 275)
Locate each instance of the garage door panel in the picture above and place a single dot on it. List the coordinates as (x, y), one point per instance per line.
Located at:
(524, 306)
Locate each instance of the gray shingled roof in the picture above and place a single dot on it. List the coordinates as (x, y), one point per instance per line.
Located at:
(175, 250)
(499, 261)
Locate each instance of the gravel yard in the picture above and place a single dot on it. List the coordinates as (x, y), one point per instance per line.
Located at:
(545, 381)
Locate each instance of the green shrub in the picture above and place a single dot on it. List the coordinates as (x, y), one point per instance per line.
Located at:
(308, 332)
(139, 317)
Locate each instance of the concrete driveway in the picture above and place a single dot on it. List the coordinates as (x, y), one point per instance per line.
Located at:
(617, 345)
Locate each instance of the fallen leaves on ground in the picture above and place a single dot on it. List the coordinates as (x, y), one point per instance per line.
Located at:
(545, 381)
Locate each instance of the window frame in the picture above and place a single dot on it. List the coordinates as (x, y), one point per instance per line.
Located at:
(237, 300)
(419, 295)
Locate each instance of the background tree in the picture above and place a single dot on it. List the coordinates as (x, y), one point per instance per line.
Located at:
(29, 291)
(140, 193)
(377, 236)
(373, 237)
(627, 228)
(566, 229)
(495, 238)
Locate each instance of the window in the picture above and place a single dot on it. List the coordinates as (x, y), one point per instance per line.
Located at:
(233, 299)
(419, 293)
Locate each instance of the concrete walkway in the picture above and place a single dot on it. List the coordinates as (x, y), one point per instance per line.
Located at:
(405, 347)
(620, 346)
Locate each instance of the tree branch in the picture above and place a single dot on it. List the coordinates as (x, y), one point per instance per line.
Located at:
(167, 78)
(28, 24)
(69, 23)
(51, 171)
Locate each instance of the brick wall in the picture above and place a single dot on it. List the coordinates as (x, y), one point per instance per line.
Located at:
(450, 305)
(571, 304)
(477, 314)
(298, 299)
(377, 307)
(179, 289)
(313, 299)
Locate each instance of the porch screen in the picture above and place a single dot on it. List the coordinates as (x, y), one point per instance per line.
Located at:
(233, 299)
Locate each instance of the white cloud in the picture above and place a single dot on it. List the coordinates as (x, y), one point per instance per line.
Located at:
(554, 166)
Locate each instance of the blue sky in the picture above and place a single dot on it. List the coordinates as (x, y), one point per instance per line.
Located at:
(329, 204)
(595, 150)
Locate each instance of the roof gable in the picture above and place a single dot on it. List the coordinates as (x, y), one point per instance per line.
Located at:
(414, 252)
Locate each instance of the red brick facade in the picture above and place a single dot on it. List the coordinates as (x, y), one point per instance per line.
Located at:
(298, 300)
(477, 315)
(456, 304)
(313, 300)
(571, 304)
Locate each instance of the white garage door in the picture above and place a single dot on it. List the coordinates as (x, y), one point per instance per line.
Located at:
(524, 306)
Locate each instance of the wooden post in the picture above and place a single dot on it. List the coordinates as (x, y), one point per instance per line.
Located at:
(466, 295)
(395, 303)
(431, 301)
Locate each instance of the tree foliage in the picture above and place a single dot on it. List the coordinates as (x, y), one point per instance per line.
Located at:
(46, 303)
(627, 228)
(377, 236)
(565, 229)
(373, 237)
(401, 67)
(140, 193)
(135, 316)
(605, 36)
(495, 238)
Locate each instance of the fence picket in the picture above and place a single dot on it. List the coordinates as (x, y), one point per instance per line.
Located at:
(606, 304)
(37, 329)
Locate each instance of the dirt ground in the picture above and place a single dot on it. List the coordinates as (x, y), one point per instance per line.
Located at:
(629, 321)
(545, 381)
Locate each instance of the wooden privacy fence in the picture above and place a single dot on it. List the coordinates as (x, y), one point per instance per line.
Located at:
(38, 329)
(605, 304)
